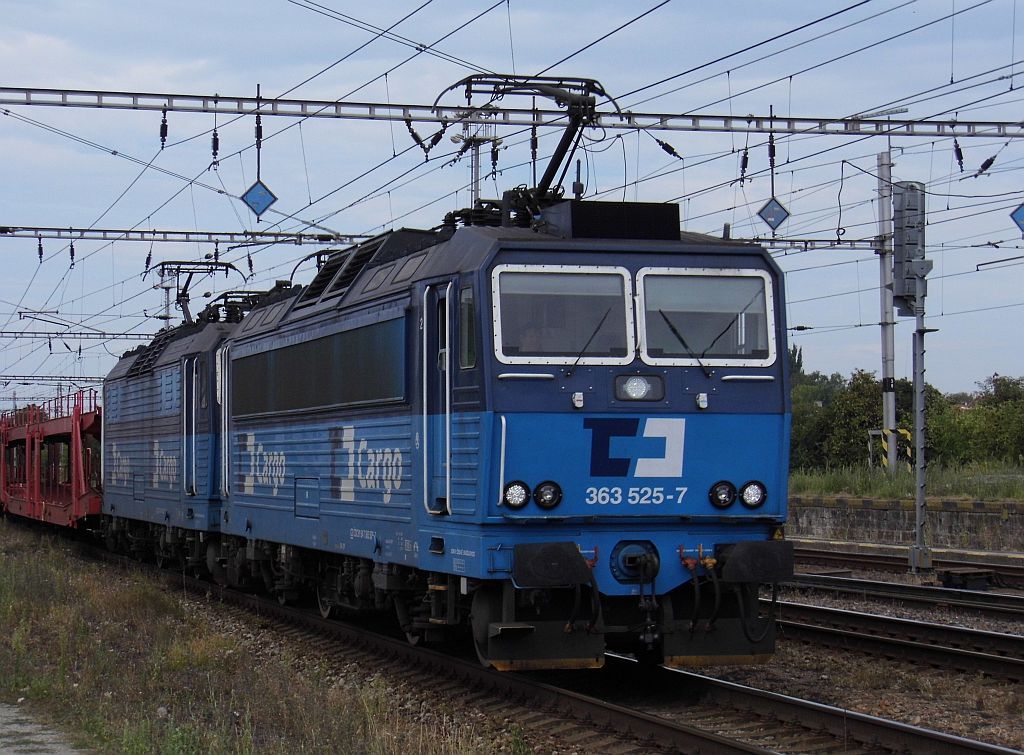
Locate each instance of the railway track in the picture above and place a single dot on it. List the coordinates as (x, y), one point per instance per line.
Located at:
(941, 645)
(598, 725)
(851, 731)
(718, 716)
(996, 604)
(1009, 575)
(693, 713)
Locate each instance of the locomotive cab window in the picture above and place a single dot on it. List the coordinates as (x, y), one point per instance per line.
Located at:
(707, 316)
(558, 314)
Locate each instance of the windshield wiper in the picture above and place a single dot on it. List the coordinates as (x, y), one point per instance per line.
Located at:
(679, 336)
(729, 326)
(568, 373)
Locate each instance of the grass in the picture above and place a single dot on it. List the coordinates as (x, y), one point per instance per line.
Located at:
(129, 668)
(988, 482)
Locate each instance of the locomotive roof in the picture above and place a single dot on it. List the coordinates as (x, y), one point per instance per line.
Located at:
(387, 265)
(470, 247)
(169, 346)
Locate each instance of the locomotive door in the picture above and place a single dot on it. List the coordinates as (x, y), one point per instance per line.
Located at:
(437, 398)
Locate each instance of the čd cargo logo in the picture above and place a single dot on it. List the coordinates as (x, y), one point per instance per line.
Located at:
(634, 447)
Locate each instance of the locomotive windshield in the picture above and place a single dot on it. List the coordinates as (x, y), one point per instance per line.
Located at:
(557, 314)
(707, 316)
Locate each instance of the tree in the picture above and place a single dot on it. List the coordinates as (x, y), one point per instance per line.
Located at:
(948, 439)
(810, 394)
(998, 389)
(796, 362)
(996, 421)
(852, 413)
(832, 417)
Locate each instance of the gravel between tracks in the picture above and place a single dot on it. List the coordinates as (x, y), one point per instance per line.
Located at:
(973, 707)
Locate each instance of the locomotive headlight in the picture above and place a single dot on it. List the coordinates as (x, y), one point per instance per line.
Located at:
(547, 494)
(516, 495)
(753, 494)
(722, 494)
(639, 388)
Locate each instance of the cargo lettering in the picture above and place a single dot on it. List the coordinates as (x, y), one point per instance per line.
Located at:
(119, 468)
(165, 467)
(264, 467)
(365, 467)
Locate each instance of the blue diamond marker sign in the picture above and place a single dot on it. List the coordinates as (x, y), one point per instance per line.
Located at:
(259, 198)
(1018, 217)
(773, 213)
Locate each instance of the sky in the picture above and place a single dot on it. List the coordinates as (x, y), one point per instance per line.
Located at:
(949, 60)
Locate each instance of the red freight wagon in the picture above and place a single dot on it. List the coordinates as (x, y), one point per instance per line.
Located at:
(51, 460)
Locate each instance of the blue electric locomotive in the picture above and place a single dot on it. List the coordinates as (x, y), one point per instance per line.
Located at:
(562, 440)
(557, 426)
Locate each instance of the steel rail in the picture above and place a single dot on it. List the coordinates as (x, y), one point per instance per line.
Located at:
(966, 661)
(1010, 574)
(991, 653)
(946, 635)
(996, 604)
(847, 724)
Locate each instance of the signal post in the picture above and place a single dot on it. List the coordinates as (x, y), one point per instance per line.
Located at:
(909, 287)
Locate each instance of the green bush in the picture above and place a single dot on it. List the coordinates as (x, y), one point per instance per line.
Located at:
(836, 419)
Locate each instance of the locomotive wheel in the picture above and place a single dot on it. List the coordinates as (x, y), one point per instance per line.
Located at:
(485, 609)
(413, 637)
(216, 569)
(326, 608)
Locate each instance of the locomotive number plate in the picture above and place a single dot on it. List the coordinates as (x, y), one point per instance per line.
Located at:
(640, 496)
